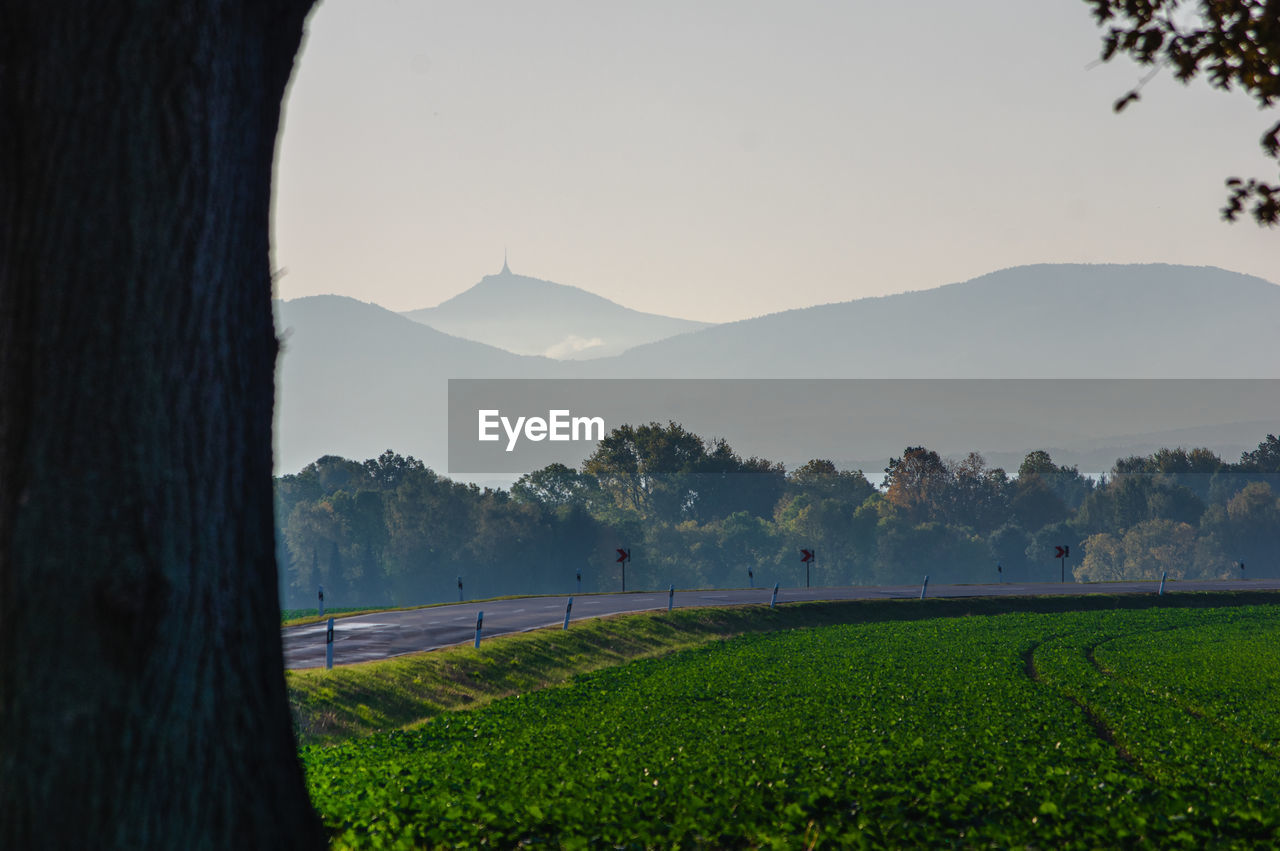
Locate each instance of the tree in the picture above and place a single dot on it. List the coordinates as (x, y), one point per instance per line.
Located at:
(1008, 546)
(389, 469)
(908, 553)
(1042, 563)
(978, 495)
(1252, 533)
(917, 482)
(364, 528)
(309, 530)
(1066, 482)
(1232, 43)
(1034, 505)
(747, 537)
(1156, 546)
(142, 696)
(646, 469)
(1037, 463)
(1145, 551)
(1264, 459)
(429, 522)
(826, 525)
(820, 477)
(724, 483)
(554, 486)
(1103, 559)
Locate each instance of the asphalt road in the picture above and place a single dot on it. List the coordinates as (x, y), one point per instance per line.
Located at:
(364, 638)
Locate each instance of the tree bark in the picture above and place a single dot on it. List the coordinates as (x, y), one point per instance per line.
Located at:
(142, 697)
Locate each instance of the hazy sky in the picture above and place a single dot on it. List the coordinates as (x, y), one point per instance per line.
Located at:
(725, 158)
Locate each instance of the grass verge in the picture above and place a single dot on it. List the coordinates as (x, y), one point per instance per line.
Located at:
(299, 617)
(358, 700)
(303, 617)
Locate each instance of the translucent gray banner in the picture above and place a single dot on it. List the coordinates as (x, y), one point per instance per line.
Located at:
(514, 426)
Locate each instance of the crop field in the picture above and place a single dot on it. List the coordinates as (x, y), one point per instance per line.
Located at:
(1150, 728)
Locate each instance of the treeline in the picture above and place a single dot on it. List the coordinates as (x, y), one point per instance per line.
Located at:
(696, 514)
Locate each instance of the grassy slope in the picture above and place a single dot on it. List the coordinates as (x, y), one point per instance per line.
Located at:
(357, 700)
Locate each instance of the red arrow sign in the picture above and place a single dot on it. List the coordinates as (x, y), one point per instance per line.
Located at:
(1061, 552)
(806, 556)
(623, 555)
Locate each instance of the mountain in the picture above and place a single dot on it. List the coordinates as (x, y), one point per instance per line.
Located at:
(1046, 321)
(356, 379)
(529, 316)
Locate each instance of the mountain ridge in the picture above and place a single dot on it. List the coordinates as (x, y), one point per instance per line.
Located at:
(532, 316)
(1119, 291)
(356, 379)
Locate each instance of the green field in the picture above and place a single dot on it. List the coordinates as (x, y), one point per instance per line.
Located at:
(1088, 729)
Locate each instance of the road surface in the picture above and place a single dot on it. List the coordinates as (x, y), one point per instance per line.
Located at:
(365, 638)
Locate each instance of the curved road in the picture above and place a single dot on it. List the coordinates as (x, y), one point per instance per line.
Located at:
(365, 638)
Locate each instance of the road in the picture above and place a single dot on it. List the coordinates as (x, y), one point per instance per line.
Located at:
(365, 638)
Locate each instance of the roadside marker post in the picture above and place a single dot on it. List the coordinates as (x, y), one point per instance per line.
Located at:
(1062, 553)
(479, 625)
(624, 556)
(671, 597)
(1163, 576)
(579, 580)
(751, 577)
(328, 647)
(567, 609)
(924, 587)
(459, 589)
(773, 601)
(321, 601)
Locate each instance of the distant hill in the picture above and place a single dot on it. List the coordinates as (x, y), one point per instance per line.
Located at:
(356, 379)
(1046, 321)
(529, 316)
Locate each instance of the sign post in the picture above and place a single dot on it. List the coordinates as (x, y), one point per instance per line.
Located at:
(328, 647)
(1062, 552)
(624, 556)
(808, 558)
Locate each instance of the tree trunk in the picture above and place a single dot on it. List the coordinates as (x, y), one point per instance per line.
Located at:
(142, 698)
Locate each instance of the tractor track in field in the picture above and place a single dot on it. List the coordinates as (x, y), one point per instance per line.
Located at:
(1100, 728)
(1260, 747)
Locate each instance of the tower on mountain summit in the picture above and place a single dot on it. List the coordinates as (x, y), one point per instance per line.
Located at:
(506, 270)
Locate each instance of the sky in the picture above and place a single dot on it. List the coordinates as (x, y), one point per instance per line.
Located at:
(729, 158)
